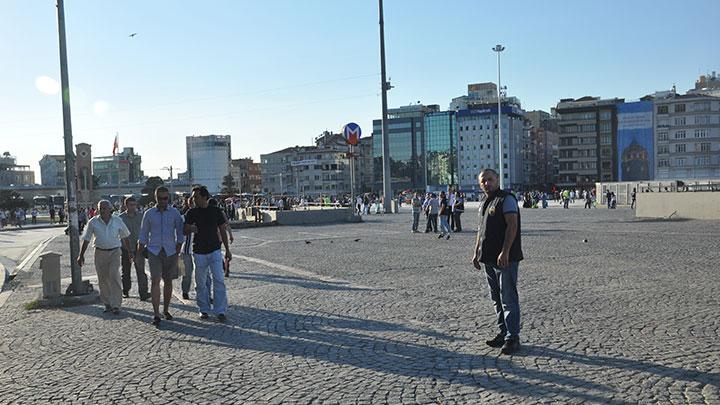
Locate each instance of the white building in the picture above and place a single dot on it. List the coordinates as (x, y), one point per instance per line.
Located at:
(687, 136)
(208, 160)
(477, 144)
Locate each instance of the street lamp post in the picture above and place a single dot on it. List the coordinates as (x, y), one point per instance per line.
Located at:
(499, 48)
(75, 271)
(385, 85)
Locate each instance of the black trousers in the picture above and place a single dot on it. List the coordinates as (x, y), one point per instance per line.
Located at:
(139, 270)
(431, 223)
(456, 224)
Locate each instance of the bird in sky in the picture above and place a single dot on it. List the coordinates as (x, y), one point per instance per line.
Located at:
(132, 35)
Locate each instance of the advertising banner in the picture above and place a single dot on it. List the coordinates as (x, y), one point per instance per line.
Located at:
(635, 141)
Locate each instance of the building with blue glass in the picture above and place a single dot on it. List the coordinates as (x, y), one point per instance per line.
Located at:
(440, 150)
(406, 132)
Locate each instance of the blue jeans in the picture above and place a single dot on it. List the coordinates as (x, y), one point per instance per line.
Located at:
(188, 277)
(416, 220)
(210, 263)
(444, 225)
(503, 292)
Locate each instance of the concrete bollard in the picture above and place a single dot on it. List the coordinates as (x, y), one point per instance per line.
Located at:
(50, 266)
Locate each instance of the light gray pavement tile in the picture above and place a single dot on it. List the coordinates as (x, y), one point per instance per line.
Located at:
(376, 314)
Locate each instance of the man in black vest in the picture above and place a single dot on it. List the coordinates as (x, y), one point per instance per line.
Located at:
(498, 251)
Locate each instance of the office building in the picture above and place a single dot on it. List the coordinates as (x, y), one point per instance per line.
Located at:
(588, 141)
(540, 152)
(687, 136)
(365, 165)
(441, 142)
(319, 170)
(122, 168)
(406, 135)
(478, 139)
(208, 160)
(13, 174)
(246, 175)
(52, 170)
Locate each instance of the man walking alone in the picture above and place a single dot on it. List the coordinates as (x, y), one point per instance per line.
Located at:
(498, 251)
(417, 204)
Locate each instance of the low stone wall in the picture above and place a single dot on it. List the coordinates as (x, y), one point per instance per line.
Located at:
(693, 205)
(310, 217)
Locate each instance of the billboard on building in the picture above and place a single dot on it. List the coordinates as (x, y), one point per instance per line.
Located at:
(635, 141)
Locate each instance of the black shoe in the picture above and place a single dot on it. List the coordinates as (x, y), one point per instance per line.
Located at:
(186, 296)
(116, 311)
(222, 318)
(156, 320)
(107, 308)
(447, 237)
(203, 315)
(510, 346)
(227, 273)
(497, 341)
(168, 316)
(126, 294)
(440, 236)
(144, 297)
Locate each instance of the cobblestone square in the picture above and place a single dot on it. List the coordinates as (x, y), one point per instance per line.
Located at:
(370, 313)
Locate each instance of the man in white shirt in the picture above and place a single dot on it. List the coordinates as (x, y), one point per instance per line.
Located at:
(109, 233)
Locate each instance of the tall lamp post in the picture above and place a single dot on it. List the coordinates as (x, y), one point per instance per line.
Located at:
(385, 85)
(499, 48)
(75, 271)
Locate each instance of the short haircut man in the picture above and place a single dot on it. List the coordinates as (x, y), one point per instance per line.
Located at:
(498, 251)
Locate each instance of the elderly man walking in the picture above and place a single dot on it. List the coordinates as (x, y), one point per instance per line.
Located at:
(109, 233)
(162, 233)
(498, 251)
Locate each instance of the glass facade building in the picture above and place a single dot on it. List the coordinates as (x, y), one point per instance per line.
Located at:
(406, 132)
(441, 150)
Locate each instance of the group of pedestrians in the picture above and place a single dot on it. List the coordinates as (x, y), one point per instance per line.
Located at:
(447, 208)
(164, 236)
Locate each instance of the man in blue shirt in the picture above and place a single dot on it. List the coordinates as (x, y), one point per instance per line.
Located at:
(162, 233)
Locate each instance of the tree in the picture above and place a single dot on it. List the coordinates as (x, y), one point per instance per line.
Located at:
(228, 186)
(149, 190)
(10, 200)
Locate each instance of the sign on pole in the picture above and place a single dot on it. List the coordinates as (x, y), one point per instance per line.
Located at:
(352, 132)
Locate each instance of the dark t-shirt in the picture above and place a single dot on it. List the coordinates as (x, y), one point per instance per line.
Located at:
(444, 209)
(207, 220)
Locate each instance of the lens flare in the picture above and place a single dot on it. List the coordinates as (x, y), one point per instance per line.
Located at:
(47, 85)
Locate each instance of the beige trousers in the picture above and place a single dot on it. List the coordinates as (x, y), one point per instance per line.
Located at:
(107, 266)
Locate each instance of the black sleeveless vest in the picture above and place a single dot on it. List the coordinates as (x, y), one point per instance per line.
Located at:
(492, 227)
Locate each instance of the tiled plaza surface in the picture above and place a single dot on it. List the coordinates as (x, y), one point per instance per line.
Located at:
(370, 313)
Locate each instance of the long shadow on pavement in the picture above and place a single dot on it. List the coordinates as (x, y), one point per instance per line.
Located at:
(300, 282)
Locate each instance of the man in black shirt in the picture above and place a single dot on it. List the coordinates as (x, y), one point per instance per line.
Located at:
(498, 251)
(208, 225)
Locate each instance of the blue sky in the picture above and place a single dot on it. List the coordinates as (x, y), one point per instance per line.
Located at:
(276, 74)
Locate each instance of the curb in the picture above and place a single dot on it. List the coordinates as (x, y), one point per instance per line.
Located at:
(30, 228)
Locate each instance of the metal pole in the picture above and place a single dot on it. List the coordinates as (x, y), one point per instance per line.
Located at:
(387, 176)
(76, 272)
(351, 158)
(499, 48)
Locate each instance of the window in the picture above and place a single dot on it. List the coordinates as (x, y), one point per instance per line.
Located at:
(700, 133)
(663, 163)
(605, 140)
(662, 136)
(605, 115)
(680, 162)
(680, 135)
(679, 121)
(702, 119)
(701, 106)
(605, 127)
(663, 149)
(680, 147)
(679, 108)
(705, 147)
(702, 161)
(662, 109)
